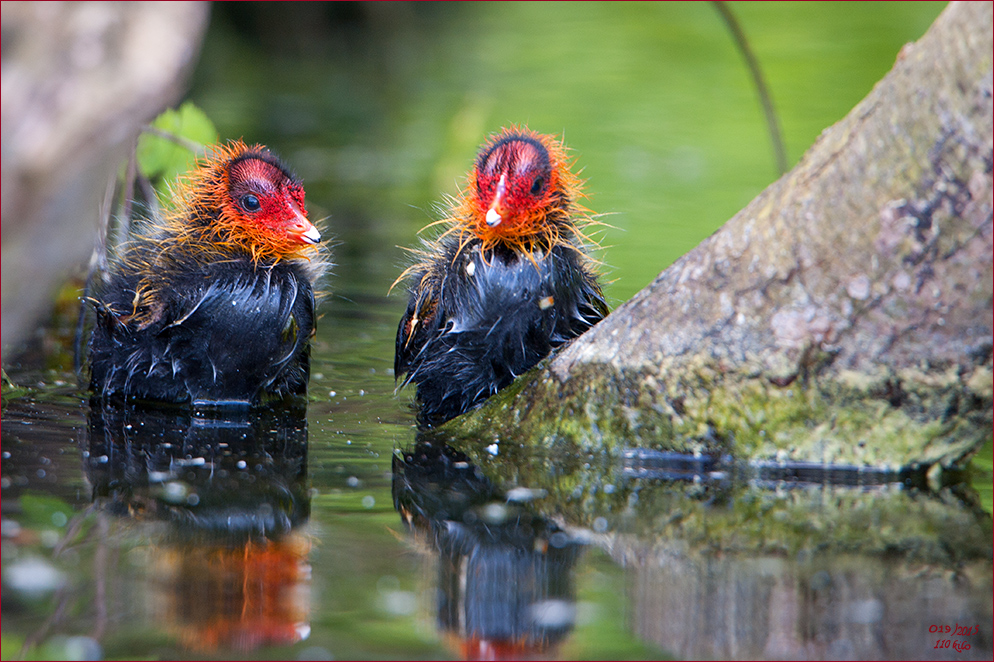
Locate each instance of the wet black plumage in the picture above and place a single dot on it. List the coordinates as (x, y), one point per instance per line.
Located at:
(489, 327)
(214, 305)
(228, 333)
(484, 307)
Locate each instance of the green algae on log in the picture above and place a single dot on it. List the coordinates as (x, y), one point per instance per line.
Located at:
(844, 316)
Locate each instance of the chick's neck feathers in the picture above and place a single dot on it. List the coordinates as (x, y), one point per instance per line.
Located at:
(552, 219)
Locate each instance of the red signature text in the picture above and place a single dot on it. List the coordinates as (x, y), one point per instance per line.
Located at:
(955, 631)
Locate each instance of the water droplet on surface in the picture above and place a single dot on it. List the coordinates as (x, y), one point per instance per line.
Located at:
(33, 576)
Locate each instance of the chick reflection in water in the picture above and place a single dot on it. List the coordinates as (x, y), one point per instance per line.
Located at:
(222, 495)
(506, 586)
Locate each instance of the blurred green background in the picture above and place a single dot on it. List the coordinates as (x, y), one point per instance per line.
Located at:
(380, 107)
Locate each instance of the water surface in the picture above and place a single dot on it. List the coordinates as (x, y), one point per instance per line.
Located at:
(336, 531)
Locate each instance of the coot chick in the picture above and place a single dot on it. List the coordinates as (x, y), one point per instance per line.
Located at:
(213, 304)
(507, 283)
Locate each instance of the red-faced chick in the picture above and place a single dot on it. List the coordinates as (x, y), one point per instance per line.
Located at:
(507, 283)
(214, 303)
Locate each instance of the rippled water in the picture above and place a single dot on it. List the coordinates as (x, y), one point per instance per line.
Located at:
(338, 532)
(168, 533)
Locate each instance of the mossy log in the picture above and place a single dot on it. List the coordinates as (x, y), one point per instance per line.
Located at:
(844, 316)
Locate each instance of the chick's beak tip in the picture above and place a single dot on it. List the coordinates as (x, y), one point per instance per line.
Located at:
(493, 217)
(311, 235)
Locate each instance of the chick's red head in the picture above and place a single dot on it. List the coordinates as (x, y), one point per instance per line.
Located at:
(250, 201)
(520, 188)
(263, 194)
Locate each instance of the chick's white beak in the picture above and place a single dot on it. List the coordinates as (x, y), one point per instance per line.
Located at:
(311, 235)
(493, 216)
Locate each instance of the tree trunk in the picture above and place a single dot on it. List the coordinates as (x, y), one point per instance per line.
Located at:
(844, 316)
(79, 81)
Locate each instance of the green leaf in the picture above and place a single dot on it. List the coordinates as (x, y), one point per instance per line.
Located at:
(162, 160)
(43, 511)
(10, 646)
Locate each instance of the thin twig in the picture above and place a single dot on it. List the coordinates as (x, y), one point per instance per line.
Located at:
(194, 147)
(98, 265)
(100, 577)
(127, 199)
(62, 597)
(772, 120)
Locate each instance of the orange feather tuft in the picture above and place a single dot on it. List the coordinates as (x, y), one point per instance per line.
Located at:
(204, 216)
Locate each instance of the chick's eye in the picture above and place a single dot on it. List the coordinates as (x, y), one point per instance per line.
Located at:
(250, 203)
(537, 185)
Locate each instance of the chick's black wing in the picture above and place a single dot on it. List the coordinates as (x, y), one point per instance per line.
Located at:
(226, 335)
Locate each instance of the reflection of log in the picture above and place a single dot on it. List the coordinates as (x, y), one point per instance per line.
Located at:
(79, 79)
(727, 565)
(857, 608)
(843, 316)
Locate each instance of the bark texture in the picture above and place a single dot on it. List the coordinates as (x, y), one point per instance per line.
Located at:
(79, 81)
(844, 316)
